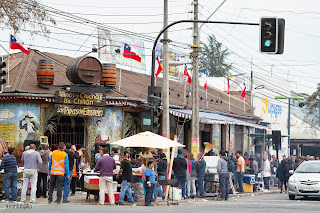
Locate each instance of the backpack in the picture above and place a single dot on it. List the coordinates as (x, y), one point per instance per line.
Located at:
(231, 167)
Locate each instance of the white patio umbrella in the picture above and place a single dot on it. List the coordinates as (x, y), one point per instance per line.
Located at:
(148, 140)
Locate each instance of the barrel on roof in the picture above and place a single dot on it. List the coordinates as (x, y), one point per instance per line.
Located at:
(109, 75)
(45, 72)
(84, 70)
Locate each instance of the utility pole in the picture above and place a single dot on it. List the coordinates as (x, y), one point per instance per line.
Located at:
(251, 85)
(289, 118)
(165, 115)
(195, 86)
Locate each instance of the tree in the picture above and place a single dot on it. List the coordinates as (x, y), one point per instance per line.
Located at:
(17, 14)
(312, 105)
(214, 58)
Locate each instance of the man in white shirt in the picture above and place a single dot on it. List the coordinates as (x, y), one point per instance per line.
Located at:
(266, 173)
(116, 158)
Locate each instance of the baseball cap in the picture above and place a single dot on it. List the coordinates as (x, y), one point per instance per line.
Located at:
(4, 151)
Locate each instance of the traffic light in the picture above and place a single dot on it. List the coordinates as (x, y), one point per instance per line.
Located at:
(269, 34)
(2, 72)
(276, 138)
(272, 35)
(156, 117)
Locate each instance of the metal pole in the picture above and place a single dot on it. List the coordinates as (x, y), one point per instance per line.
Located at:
(289, 108)
(195, 86)
(165, 116)
(263, 148)
(251, 84)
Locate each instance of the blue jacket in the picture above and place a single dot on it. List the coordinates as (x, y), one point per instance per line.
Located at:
(201, 168)
(66, 165)
(150, 173)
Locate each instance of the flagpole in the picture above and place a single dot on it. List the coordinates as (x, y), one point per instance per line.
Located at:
(229, 101)
(120, 78)
(244, 105)
(207, 96)
(8, 84)
(184, 90)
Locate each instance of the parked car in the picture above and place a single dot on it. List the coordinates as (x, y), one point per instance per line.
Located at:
(305, 181)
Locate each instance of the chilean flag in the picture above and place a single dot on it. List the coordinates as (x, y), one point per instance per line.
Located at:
(159, 68)
(228, 85)
(15, 45)
(128, 54)
(243, 94)
(186, 74)
(204, 79)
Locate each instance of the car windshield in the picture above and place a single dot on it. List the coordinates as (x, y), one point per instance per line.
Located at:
(309, 167)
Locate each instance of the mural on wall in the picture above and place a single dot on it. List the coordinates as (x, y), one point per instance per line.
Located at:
(107, 129)
(216, 133)
(19, 121)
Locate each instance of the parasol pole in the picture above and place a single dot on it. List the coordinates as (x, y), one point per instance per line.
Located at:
(170, 167)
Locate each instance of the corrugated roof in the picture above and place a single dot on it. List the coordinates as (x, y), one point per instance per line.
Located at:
(133, 85)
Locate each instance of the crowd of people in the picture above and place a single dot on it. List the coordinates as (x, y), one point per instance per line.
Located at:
(61, 168)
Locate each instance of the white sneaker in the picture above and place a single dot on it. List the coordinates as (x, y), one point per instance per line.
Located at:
(5, 201)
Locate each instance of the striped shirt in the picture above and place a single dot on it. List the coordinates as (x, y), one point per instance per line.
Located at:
(9, 164)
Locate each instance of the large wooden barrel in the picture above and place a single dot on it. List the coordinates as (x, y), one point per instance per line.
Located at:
(109, 75)
(84, 70)
(45, 72)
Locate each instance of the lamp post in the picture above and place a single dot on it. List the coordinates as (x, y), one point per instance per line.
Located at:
(289, 109)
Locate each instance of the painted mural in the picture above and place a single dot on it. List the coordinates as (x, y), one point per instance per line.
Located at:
(216, 133)
(107, 129)
(19, 122)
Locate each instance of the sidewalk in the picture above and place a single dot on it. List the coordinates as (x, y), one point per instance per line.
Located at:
(80, 198)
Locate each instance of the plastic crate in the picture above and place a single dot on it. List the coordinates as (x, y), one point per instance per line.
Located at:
(247, 187)
(116, 197)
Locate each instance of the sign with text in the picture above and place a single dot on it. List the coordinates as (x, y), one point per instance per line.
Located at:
(87, 99)
(80, 111)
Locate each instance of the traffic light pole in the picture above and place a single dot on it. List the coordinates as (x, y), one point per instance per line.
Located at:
(154, 51)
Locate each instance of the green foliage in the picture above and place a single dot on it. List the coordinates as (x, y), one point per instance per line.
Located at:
(312, 105)
(46, 121)
(214, 58)
(19, 13)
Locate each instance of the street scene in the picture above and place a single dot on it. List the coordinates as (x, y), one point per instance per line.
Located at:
(164, 106)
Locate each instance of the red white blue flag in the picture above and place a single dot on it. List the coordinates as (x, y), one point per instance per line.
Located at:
(228, 91)
(15, 45)
(127, 53)
(186, 74)
(203, 82)
(159, 68)
(243, 94)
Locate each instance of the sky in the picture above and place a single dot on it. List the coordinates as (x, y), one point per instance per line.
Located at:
(299, 64)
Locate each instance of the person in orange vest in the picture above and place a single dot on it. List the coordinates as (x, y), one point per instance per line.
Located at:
(58, 168)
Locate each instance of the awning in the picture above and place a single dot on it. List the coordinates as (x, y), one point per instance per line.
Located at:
(261, 135)
(213, 118)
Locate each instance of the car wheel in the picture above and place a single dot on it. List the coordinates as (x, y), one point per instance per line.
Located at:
(292, 197)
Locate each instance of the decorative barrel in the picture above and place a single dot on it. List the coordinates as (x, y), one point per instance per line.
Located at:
(84, 70)
(109, 75)
(45, 72)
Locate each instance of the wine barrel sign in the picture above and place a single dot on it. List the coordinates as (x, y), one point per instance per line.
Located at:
(73, 98)
(84, 70)
(109, 75)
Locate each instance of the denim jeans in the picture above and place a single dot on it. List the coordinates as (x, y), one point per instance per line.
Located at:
(29, 175)
(125, 190)
(159, 189)
(182, 182)
(43, 177)
(224, 185)
(191, 186)
(10, 180)
(59, 179)
(266, 181)
(149, 192)
(240, 181)
(66, 188)
(200, 186)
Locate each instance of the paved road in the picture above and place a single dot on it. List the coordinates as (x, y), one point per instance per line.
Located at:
(260, 203)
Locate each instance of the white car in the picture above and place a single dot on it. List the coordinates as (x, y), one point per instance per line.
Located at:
(305, 181)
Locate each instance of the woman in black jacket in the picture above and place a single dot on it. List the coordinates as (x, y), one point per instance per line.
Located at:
(281, 174)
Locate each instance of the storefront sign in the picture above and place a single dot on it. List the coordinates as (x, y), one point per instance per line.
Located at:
(87, 99)
(147, 121)
(81, 111)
